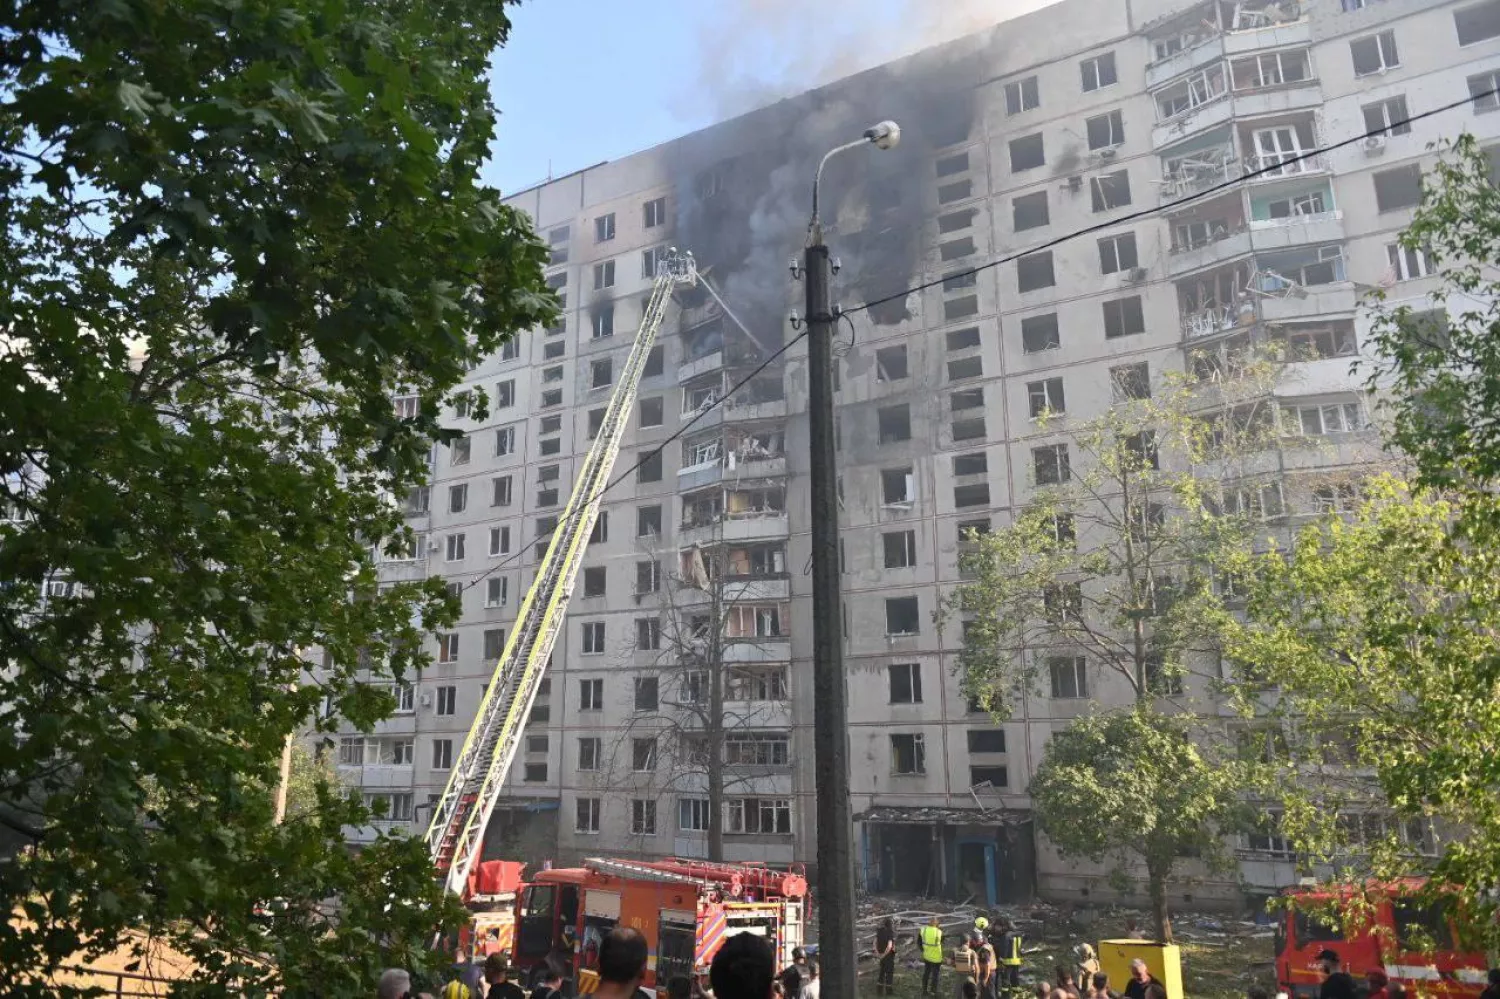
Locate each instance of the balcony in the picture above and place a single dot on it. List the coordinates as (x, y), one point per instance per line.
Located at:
(700, 366)
(1211, 112)
(1280, 166)
(1219, 319)
(1269, 28)
(1206, 52)
(769, 525)
(736, 410)
(1277, 100)
(1306, 302)
(1194, 172)
(1223, 245)
(757, 650)
(1296, 230)
(757, 588)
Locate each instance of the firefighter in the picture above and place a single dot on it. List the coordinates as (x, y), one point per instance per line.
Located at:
(932, 956)
(1008, 953)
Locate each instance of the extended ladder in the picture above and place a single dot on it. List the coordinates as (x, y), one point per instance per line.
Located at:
(456, 835)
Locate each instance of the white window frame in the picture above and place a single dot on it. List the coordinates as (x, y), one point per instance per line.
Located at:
(592, 640)
(455, 546)
(586, 814)
(1045, 398)
(1095, 64)
(496, 591)
(643, 816)
(1323, 419)
(499, 541)
(1018, 89)
(1383, 40)
(1406, 264)
(919, 754)
(692, 815)
(1075, 669)
(590, 753)
(448, 647)
(1488, 82)
(442, 754)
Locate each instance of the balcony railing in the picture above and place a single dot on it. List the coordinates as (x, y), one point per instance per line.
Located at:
(1274, 166)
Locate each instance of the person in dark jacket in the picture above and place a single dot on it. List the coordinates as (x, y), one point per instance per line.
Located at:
(1141, 979)
(1337, 983)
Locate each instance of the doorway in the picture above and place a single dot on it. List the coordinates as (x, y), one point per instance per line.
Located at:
(976, 871)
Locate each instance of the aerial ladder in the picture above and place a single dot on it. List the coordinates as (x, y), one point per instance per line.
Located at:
(455, 836)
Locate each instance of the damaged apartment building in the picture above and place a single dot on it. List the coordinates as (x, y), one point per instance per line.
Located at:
(1014, 136)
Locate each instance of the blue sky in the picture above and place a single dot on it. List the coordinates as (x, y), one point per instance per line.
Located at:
(588, 80)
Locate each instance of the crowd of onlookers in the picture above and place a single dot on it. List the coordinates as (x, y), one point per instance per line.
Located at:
(745, 968)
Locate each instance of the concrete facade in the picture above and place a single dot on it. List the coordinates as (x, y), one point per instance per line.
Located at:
(935, 428)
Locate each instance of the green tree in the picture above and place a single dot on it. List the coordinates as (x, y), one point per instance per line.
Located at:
(1106, 585)
(232, 233)
(1136, 783)
(1381, 639)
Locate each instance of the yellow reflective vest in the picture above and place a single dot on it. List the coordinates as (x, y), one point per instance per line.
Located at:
(932, 944)
(457, 990)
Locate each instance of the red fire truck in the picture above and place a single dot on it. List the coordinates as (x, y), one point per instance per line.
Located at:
(1413, 941)
(686, 909)
(493, 887)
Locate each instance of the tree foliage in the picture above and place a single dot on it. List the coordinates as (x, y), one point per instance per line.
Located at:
(232, 233)
(1379, 637)
(1135, 782)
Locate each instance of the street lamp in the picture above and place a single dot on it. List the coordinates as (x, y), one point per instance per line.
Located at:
(830, 712)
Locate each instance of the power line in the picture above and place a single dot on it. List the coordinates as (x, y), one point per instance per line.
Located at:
(1176, 203)
(1048, 244)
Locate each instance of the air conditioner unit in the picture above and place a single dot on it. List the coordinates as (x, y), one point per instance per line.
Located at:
(1075, 183)
(1107, 153)
(426, 700)
(1135, 275)
(1374, 145)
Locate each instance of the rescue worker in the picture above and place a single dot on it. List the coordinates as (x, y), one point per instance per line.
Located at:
(981, 924)
(932, 956)
(497, 981)
(964, 965)
(984, 960)
(1008, 953)
(456, 989)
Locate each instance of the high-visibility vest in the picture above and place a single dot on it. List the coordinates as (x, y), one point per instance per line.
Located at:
(457, 990)
(588, 982)
(1011, 943)
(932, 944)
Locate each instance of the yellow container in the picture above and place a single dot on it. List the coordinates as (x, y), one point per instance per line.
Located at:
(1163, 960)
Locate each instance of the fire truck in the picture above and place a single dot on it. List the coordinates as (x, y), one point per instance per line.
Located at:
(1412, 940)
(686, 909)
(492, 892)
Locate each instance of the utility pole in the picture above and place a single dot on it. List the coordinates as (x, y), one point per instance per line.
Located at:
(836, 945)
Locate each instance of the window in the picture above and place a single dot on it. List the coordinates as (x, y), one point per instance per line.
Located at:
(1030, 211)
(1034, 271)
(647, 521)
(551, 397)
(1389, 117)
(900, 549)
(908, 755)
(1045, 398)
(586, 813)
(552, 374)
(954, 221)
(1117, 253)
(967, 367)
(505, 441)
(510, 349)
(1398, 188)
(655, 363)
(758, 749)
(655, 212)
(648, 467)
(1098, 72)
(1341, 498)
(590, 749)
(604, 228)
(458, 498)
(971, 464)
(643, 750)
(692, 814)
(1374, 53)
(447, 700)
(496, 591)
(500, 490)
(758, 815)
(590, 695)
(960, 308)
(1477, 22)
(950, 165)
(1321, 420)
(963, 339)
(1027, 153)
(1062, 602)
(643, 817)
(351, 751)
(1040, 333)
(1022, 95)
(454, 547)
(1106, 130)
(1408, 264)
(1069, 677)
(602, 321)
(1123, 317)
(604, 275)
(596, 422)
(994, 776)
(534, 773)
(653, 412)
(906, 683)
(986, 740)
(442, 754)
(897, 485)
(448, 648)
(894, 423)
(494, 643)
(1163, 680)
(977, 494)
(593, 638)
(1110, 190)
(902, 616)
(647, 577)
(593, 582)
(458, 450)
(957, 191)
(647, 634)
(890, 363)
(966, 399)
(1131, 381)
(1483, 89)
(558, 240)
(1050, 464)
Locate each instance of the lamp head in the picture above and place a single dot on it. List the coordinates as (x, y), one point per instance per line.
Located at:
(886, 135)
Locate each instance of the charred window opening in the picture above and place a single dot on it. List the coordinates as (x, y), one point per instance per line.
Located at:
(1030, 211)
(957, 191)
(957, 249)
(950, 165)
(1027, 153)
(961, 308)
(954, 221)
(1040, 333)
(1034, 271)
(889, 312)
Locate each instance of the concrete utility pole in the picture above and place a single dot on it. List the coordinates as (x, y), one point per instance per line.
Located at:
(830, 711)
